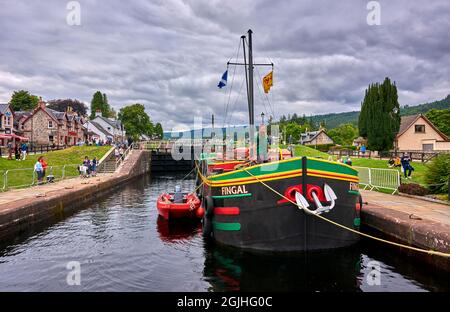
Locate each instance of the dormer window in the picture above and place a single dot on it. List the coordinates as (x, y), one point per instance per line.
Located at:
(50, 124)
(419, 128)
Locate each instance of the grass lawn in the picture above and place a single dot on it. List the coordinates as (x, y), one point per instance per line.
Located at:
(417, 175)
(55, 160)
(301, 150)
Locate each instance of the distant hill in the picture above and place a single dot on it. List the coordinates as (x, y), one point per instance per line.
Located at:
(334, 120)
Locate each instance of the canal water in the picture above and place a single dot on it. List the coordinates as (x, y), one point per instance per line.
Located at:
(122, 245)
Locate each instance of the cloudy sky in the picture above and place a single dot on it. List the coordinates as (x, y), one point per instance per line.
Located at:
(170, 54)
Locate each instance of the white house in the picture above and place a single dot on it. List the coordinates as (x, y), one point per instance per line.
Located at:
(106, 129)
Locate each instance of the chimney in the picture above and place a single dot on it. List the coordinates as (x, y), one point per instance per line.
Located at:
(41, 103)
(98, 113)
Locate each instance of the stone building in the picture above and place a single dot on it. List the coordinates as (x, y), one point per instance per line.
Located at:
(315, 138)
(45, 126)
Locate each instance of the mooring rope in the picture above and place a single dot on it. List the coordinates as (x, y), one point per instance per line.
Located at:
(430, 252)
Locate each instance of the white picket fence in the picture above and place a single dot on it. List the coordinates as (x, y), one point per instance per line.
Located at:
(377, 178)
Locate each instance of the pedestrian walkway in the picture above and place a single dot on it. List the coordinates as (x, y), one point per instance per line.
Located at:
(10, 198)
(412, 221)
(418, 208)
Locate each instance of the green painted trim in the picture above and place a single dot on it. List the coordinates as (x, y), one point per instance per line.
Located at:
(357, 222)
(286, 165)
(258, 170)
(226, 226)
(354, 192)
(331, 166)
(231, 196)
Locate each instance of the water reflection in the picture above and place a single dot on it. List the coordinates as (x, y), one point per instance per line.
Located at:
(122, 245)
(234, 270)
(177, 230)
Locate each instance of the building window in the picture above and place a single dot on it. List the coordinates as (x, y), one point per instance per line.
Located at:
(50, 123)
(420, 128)
(50, 138)
(8, 121)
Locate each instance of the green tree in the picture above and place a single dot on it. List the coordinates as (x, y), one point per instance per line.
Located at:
(441, 119)
(379, 119)
(100, 102)
(159, 130)
(61, 105)
(97, 104)
(438, 173)
(23, 100)
(344, 134)
(295, 130)
(136, 121)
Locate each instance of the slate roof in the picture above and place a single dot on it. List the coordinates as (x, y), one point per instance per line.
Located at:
(100, 128)
(114, 123)
(406, 122)
(3, 108)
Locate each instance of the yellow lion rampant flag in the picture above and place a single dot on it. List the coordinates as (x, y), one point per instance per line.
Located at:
(268, 82)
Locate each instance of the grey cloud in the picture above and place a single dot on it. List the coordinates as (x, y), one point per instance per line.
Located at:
(170, 54)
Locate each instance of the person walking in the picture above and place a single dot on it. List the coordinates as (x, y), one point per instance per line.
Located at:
(10, 151)
(17, 152)
(121, 152)
(362, 149)
(24, 151)
(406, 165)
(87, 164)
(94, 166)
(39, 170)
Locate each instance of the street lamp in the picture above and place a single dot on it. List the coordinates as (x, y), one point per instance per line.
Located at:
(262, 118)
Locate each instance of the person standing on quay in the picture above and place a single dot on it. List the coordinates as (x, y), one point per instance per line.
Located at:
(44, 165)
(39, 170)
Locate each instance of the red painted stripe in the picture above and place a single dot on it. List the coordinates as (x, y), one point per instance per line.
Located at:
(333, 175)
(226, 210)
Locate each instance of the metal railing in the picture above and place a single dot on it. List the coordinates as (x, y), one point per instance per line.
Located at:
(26, 177)
(419, 155)
(377, 178)
(121, 159)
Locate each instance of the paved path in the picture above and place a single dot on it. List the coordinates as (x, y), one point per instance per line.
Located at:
(439, 213)
(30, 193)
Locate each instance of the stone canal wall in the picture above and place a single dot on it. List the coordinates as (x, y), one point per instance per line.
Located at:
(410, 221)
(22, 209)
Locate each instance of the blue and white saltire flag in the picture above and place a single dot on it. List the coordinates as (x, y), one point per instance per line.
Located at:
(223, 81)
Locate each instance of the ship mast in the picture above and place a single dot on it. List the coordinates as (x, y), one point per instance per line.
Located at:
(249, 84)
(251, 104)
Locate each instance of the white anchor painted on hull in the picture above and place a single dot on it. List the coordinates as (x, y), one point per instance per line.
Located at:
(330, 196)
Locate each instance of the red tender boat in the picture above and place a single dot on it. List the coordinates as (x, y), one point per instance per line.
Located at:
(189, 208)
